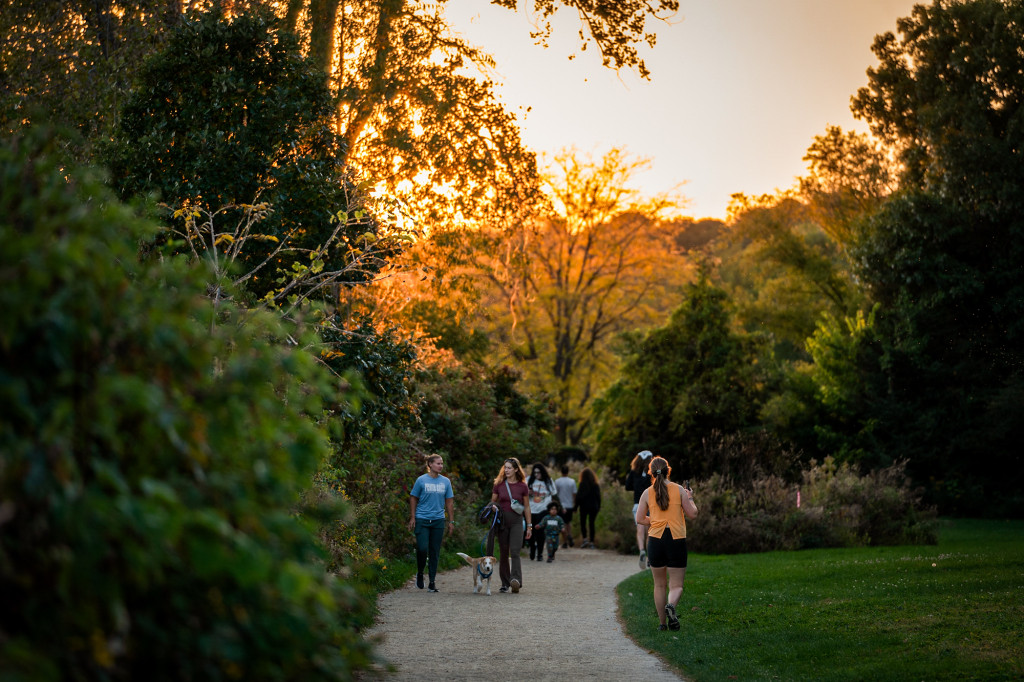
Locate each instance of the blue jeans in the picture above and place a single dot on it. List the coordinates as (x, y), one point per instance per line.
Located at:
(428, 544)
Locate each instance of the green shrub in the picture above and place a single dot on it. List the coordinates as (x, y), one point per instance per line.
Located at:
(839, 508)
(614, 528)
(151, 454)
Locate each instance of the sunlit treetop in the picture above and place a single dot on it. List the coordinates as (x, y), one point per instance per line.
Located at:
(615, 26)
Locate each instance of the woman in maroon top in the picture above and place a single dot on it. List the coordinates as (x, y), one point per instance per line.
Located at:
(511, 479)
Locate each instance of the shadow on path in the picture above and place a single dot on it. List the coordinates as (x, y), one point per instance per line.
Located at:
(563, 625)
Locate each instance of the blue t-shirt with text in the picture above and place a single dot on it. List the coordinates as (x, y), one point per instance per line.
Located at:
(430, 494)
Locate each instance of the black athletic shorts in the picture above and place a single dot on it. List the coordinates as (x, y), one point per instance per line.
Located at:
(665, 551)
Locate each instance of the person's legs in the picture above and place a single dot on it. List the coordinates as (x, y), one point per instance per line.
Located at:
(515, 545)
(567, 531)
(422, 534)
(676, 576)
(436, 528)
(659, 591)
(503, 563)
(587, 519)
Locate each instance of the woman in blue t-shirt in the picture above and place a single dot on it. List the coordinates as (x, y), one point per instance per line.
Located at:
(429, 501)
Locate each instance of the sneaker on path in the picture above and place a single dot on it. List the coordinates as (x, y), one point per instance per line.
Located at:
(643, 559)
(673, 619)
(419, 580)
(503, 588)
(432, 588)
(515, 585)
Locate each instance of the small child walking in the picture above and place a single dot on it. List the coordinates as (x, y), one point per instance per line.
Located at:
(551, 524)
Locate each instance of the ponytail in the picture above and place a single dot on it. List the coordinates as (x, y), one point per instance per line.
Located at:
(660, 470)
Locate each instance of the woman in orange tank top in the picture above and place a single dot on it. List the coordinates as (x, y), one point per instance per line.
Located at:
(664, 507)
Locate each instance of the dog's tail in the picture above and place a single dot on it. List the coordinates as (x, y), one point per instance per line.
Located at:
(466, 557)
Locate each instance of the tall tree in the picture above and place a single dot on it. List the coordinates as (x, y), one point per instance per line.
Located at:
(238, 144)
(849, 174)
(414, 115)
(782, 270)
(946, 257)
(73, 61)
(566, 281)
(682, 382)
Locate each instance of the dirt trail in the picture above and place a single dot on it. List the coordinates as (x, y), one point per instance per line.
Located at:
(562, 625)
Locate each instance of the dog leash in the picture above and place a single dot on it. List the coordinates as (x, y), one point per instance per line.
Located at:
(494, 519)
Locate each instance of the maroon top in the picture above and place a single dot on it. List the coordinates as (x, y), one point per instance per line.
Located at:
(519, 490)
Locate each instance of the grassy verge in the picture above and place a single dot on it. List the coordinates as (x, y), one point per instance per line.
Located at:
(951, 611)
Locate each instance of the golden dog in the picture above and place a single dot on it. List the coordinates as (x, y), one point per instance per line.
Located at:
(483, 568)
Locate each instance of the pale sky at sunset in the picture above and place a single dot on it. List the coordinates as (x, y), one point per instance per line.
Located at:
(738, 89)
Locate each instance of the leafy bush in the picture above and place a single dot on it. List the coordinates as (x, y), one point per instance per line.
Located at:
(151, 453)
(614, 528)
(480, 419)
(839, 508)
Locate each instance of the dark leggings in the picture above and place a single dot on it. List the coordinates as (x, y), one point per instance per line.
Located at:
(585, 516)
(429, 535)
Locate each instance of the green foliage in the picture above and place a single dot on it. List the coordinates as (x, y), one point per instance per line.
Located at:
(230, 115)
(830, 405)
(153, 452)
(948, 612)
(783, 271)
(680, 383)
(386, 364)
(72, 62)
(614, 527)
(480, 419)
(475, 419)
(945, 258)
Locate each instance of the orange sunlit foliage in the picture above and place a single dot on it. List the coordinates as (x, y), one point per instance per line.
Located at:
(564, 282)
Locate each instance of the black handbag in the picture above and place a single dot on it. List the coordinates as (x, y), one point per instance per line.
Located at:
(490, 515)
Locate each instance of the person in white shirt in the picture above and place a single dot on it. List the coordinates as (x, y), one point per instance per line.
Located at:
(566, 488)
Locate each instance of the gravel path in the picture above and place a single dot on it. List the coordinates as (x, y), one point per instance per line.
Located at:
(562, 625)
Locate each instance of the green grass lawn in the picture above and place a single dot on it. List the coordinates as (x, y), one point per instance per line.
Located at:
(951, 611)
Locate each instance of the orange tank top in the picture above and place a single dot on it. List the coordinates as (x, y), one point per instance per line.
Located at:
(671, 518)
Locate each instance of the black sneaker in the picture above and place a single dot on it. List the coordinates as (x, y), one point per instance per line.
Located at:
(419, 580)
(673, 619)
(431, 588)
(503, 589)
(550, 559)
(643, 559)
(662, 627)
